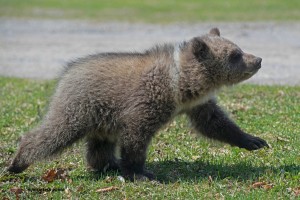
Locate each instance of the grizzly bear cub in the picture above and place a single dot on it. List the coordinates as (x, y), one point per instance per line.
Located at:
(122, 99)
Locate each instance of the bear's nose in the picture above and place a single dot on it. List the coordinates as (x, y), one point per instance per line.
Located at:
(258, 62)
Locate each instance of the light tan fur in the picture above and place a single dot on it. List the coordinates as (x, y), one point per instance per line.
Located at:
(122, 99)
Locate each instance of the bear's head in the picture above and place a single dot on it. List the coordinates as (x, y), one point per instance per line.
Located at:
(222, 61)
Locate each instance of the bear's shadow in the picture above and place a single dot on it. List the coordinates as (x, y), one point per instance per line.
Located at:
(174, 171)
(178, 170)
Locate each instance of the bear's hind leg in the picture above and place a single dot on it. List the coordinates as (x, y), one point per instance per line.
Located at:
(100, 154)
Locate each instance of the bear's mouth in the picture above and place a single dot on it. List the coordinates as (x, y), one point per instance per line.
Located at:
(253, 71)
(250, 73)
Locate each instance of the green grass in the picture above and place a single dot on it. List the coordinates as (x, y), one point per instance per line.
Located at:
(155, 10)
(188, 168)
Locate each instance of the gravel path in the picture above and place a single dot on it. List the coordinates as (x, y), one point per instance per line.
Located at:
(39, 48)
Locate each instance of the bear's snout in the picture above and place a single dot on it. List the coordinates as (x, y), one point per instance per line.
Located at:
(258, 61)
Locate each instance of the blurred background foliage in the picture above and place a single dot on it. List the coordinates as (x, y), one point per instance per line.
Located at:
(154, 11)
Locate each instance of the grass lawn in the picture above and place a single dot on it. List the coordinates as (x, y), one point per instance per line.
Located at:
(155, 10)
(187, 168)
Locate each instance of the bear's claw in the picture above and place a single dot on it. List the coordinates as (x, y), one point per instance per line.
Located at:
(253, 143)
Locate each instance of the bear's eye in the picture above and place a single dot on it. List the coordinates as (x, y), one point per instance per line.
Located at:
(235, 56)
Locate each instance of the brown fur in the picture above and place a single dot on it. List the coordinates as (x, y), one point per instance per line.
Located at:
(123, 99)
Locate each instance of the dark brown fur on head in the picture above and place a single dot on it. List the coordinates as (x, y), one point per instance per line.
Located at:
(225, 62)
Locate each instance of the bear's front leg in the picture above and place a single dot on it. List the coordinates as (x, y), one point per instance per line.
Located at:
(133, 159)
(134, 144)
(211, 121)
(139, 126)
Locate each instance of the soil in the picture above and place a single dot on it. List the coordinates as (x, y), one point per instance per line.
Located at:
(39, 49)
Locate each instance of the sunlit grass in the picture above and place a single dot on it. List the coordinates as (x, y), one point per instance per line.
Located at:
(155, 10)
(187, 167)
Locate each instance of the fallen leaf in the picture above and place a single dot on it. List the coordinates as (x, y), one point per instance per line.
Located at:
(49, 176)
(107, 189)
(296, 191)
(268, 186)
(53, 174)
(17, 191)
(263, 185)
(258, 184)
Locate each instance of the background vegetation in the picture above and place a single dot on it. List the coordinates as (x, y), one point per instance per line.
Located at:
(155, 10)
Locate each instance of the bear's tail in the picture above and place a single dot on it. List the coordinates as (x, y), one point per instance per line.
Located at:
(41, 143)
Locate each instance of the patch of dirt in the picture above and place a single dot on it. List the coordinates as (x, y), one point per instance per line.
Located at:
(39, 49)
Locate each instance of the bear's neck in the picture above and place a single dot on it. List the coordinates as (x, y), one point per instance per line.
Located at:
(189, 85)
(195, 91)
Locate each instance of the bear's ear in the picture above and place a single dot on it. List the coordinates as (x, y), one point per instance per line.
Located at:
(215, 31)
(200, 48)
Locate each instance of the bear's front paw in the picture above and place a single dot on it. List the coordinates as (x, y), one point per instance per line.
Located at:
(252, 143)
(144, 176)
